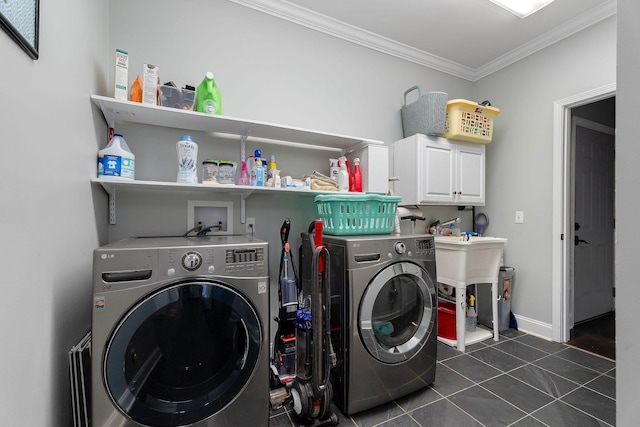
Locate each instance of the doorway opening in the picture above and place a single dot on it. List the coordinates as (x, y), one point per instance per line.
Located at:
(583, 257)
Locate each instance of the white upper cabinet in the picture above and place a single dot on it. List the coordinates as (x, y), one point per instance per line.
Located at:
(437, 171)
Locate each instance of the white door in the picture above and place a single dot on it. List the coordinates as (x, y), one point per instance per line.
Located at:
(593, 234)
(438, 172)
(470, 174)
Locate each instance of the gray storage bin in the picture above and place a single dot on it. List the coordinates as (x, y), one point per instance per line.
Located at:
(426, 115)
(506, 280)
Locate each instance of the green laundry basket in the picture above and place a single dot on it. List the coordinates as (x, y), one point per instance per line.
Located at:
(356, 214)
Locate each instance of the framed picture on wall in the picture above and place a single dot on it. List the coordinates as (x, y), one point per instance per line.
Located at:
(19, 18)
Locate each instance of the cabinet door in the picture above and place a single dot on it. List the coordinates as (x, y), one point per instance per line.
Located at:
(470, 174)
(438, 175)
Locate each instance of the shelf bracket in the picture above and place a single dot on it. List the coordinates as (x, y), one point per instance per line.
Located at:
(111, 191)
(243, 196)
(243, 148)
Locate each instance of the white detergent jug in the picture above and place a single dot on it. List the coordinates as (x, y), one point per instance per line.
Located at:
(116, 159)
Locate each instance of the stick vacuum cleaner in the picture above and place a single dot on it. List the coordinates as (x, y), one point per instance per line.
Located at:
(311, 390)
(283, 365)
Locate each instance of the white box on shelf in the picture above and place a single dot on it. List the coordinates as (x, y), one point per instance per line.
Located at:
(121, 80)
(150, 80)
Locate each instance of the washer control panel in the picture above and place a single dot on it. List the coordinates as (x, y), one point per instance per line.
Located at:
(244, 260)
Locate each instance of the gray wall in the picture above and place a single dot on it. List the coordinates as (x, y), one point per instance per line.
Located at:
(51, 217)
(520, 158)
(627, 179)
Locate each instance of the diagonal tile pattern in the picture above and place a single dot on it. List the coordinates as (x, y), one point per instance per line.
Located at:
(520, 381)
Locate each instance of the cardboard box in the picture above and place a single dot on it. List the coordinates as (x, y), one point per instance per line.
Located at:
(150, 81)
(121, 79)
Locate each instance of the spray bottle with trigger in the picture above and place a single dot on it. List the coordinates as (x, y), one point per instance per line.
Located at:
(343, 175)
(472, 316)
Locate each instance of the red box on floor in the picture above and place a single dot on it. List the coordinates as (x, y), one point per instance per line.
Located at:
(447, 320)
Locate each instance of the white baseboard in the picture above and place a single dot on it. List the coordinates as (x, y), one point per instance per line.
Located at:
(534, 327)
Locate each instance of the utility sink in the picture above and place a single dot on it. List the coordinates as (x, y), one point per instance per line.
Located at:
(460, 261)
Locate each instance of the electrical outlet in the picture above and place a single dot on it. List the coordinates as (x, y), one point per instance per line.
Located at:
(519, 217)
(251, 225)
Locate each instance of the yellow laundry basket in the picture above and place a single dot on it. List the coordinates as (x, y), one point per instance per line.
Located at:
(469, 121)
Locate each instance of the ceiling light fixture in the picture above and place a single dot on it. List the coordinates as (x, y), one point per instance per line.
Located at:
(522, 8)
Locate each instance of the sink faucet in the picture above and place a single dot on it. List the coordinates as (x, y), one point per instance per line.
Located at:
(449, 222)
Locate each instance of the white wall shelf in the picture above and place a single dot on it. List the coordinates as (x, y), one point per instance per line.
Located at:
(118, 111)
(113, 185)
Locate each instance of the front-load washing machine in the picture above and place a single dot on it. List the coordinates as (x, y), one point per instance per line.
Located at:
(180, 332)
(383, 316)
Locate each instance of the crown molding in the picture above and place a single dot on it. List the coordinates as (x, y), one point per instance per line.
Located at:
(567, 29)
(301, 16)
(307, 18)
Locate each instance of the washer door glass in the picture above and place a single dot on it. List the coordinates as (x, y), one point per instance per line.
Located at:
(397, 312)
(182, 354)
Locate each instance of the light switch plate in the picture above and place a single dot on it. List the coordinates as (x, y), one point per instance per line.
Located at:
(519, 217)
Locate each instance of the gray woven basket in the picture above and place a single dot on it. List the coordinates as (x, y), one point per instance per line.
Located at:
(426, 115)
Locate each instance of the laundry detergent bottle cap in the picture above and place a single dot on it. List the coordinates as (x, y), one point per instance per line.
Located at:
(116, 159)
(208, 97)
(257, 154)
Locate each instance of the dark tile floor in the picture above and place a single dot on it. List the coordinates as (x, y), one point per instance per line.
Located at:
(520, 381)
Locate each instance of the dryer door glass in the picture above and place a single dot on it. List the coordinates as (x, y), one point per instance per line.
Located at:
(397, 312)
(182, 354)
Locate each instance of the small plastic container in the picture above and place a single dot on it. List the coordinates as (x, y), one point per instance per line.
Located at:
(226, 172)
(173, 97)
(209, 172)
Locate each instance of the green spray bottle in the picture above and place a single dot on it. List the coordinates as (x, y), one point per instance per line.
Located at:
(209, 99)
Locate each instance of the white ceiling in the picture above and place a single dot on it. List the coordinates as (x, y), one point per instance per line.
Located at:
(467, 38)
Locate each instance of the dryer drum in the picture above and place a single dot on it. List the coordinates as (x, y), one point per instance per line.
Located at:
(182, 354)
